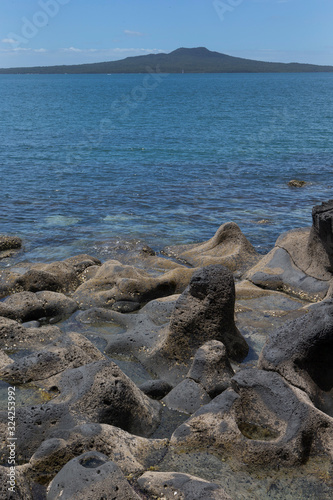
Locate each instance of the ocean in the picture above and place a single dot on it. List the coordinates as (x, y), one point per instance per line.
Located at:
(166, 159)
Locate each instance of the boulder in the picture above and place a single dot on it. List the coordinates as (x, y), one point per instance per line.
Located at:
(301, 262)
(263, 419)
(69, 351)
(60, 276)
(95, 393)
(9, 243)
(132, 454)
(211, 367)
(33, 306)
(13, 335)
(203, 312)
(155, 389)
(101, 392)
(187, 397)
(228, 247)
(277, 271)
(90, 476)
(302, 352)
(171, 485)
(115, 283)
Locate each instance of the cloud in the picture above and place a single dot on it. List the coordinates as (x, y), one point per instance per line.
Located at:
(8, 40)
(133, 33)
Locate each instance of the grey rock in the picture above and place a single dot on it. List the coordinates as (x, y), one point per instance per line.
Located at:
(36, 280)
(171, 485)
(228, 247)
(90, 476)
(155, 389)
(131, 453)
(33, 306)
(302, 352)
(8, 312)
(23, 488)
(114, 283)
(4, 360)
(9, 242)
(69, 351)
(211, 367)
(187, 397)
(301, 262)
(205, 311)
(102, 393)
(14, 335)
(322, 217)
(263, 419)
(277, 271)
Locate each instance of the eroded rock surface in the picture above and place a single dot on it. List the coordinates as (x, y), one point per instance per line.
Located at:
(115, 283)
(60, 276)
(69, 351)
(302, 352)
(27, 306)
(228, 247)
(263, 419)
(301, 262)
(90, 476)
(203, 312)
(170, 485)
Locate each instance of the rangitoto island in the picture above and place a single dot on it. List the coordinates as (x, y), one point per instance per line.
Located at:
(182, 60)
(201, 372)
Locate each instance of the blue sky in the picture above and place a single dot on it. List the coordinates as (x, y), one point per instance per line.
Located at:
(46, 32)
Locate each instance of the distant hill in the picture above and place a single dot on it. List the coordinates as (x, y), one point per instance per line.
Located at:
(196, 60)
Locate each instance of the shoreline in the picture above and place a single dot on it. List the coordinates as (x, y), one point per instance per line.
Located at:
(193, 351)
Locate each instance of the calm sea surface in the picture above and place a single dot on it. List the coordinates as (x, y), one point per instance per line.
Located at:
(88, 158)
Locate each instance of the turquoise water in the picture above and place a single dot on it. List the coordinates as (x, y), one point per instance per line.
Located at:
(88, 158)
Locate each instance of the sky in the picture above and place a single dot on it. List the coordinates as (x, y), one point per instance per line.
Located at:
(49, 32)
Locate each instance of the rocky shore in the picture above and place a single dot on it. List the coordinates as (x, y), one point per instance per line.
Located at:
(203, 372)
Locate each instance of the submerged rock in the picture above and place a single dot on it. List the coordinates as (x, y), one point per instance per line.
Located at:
(9, 242)
(297, 183)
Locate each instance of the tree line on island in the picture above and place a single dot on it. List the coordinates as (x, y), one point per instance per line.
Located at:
(183, 60)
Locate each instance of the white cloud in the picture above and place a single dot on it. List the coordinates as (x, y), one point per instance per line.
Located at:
(133, 33)
(8, 40)
(72, 49)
